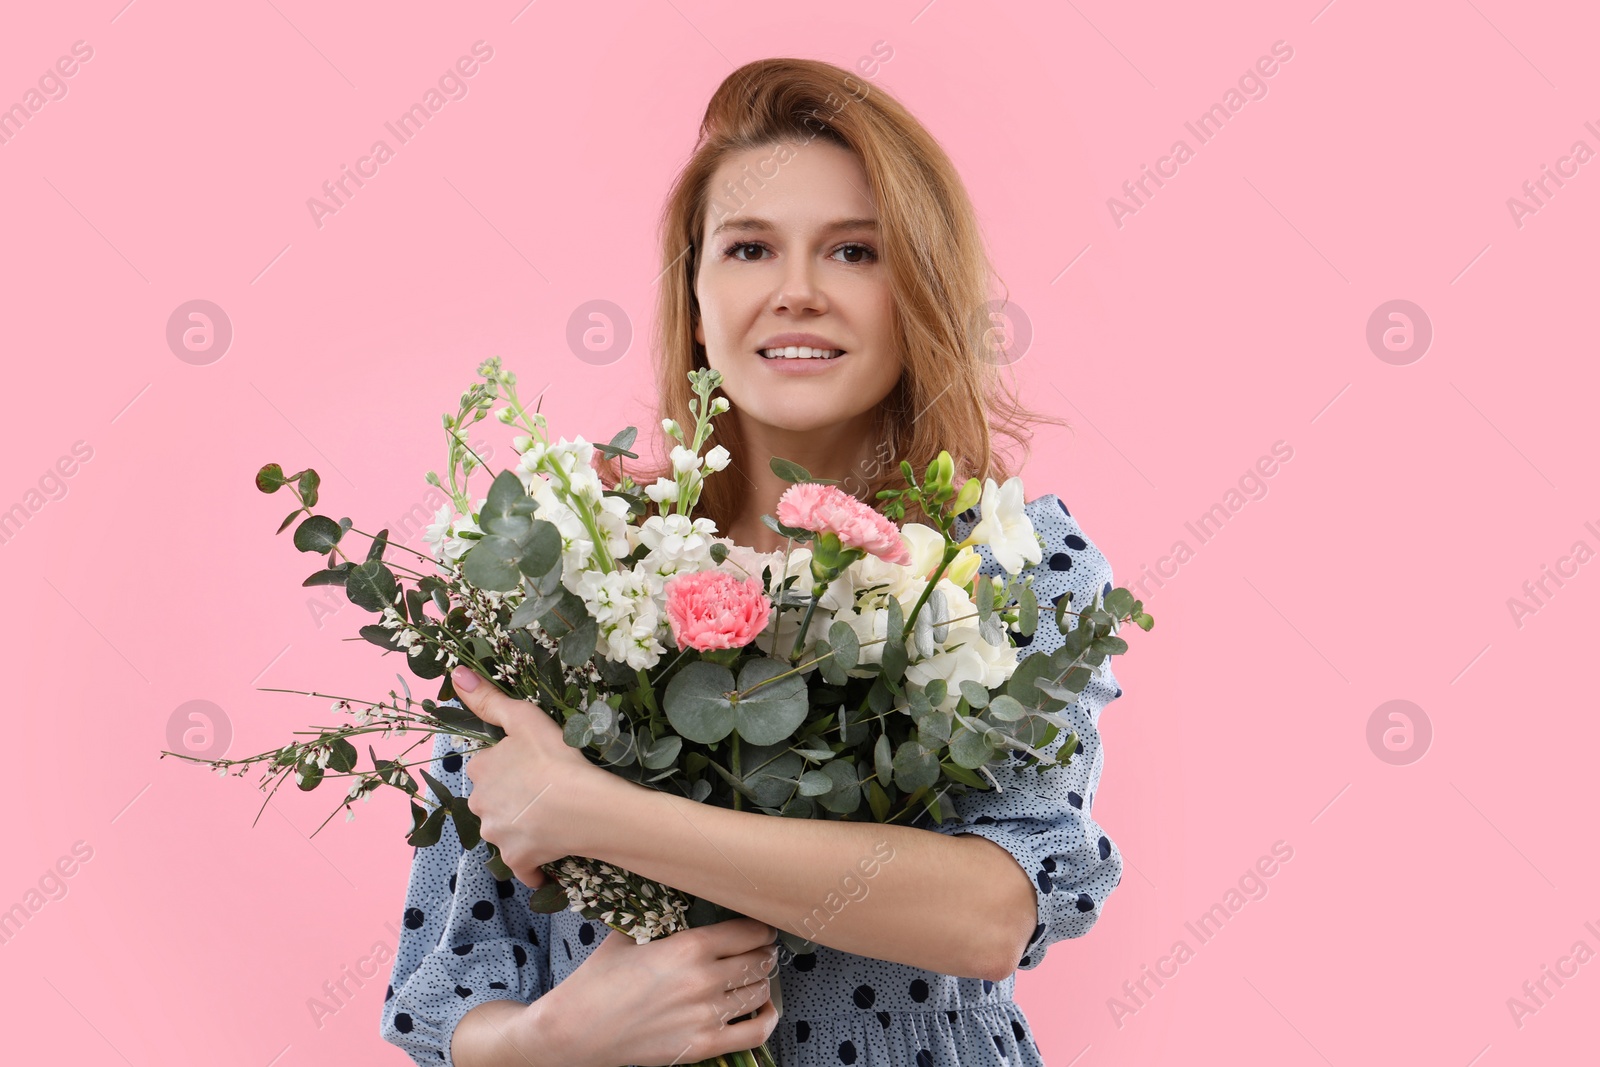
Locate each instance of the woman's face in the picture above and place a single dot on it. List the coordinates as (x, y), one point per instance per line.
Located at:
(796, 253)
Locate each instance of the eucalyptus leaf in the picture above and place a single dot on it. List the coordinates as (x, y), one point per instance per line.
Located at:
(428, 833)
(468, 826)
(269, 479)
(939, 605)
(915, 767)
(773, 710)
(877, 800)
(882, 757)
(922, 632)
(697, 704)
(894, 648)
(1027, 610)
(789, 470)
(663, 752)
(371, 586)
(1007, 708)
(815, 783)
(845, 796)
(317, 534)
(548, 899)
(577, 731)
(969, 749)
(846, 646)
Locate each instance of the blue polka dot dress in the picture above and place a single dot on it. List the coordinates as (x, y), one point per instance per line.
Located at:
(467, 938)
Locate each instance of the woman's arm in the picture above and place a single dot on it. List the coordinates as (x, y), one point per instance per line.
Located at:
(799, 875)
(508, 1033)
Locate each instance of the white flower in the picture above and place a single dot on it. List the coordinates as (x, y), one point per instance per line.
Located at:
(684, 460)
(676, 543)
(1005, 526)
(663, 490)
(927, 547)
(627, 615)
(440, 526)
(717, 458)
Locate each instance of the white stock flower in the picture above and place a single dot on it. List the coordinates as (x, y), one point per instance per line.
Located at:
(663, 490)
(1005, 526)
(684, 460)
(436, 530)
(717, 458)
(676, 543)
(627, 614)
(438, 533)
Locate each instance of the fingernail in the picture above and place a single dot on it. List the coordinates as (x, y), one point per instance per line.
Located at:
(465, 679)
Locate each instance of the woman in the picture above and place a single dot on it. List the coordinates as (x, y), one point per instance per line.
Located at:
(819, 252)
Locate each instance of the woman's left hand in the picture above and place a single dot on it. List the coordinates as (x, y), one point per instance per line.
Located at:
(532, 792)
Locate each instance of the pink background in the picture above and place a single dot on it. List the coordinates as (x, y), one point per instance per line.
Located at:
(1228, 313)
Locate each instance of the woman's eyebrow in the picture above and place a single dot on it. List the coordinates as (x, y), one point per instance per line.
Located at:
(750, 225)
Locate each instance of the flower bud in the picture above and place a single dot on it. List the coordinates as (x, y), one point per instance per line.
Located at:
(964, 566)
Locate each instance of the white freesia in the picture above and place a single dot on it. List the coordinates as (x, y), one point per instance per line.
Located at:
(964, 655)
(1005, 526)
(927, 547)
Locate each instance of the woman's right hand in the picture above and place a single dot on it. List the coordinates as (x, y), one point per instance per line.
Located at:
(669, 1001)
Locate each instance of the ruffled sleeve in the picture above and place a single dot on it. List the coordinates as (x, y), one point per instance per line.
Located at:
(465, 938)
(1045, 822)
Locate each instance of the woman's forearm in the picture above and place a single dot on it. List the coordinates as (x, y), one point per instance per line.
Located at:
(806, 876)
(508, 1033)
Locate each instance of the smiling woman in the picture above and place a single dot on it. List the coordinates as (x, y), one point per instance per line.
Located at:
(820, 253)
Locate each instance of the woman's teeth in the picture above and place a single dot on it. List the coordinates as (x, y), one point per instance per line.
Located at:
(801, 352)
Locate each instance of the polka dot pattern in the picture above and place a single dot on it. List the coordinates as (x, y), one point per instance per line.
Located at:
(468, 939)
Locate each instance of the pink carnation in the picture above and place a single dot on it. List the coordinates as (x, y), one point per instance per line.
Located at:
(829, 509)
(714, 609)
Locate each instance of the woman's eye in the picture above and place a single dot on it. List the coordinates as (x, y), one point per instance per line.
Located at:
(866, 252)
(733, 250)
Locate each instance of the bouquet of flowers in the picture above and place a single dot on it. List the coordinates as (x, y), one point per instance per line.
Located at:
(865, 672)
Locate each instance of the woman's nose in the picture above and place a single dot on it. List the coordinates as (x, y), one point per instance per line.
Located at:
(798, 289)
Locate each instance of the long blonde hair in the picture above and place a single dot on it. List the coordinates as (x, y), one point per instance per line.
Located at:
(949, 395)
